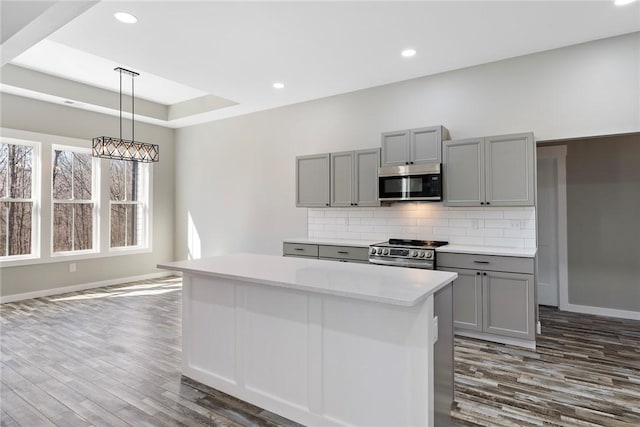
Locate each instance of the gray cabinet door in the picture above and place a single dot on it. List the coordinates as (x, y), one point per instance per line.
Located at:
(508, 304)
(467, 299)
(342, 174)
(464, 172)
(426, 145)
(510, 160)
(367, 163)
(395, 148)
(312, 181)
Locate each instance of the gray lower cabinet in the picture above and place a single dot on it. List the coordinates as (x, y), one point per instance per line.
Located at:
(490, 171)
(354, 178)
(413, 146)
(312, 181)
(327, 252)
(301, 250)
(493, 294)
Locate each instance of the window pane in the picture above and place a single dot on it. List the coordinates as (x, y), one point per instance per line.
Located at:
(124, 225)
(124, 180)
(16, 228)
(83, 226)
(4, 169)
(62, 227)
(82, 176)
(72, 227)
(62, 174)
(18, 168)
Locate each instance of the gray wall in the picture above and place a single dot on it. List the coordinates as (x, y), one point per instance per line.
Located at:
(235, 187)
(603, 222)
(47, 118)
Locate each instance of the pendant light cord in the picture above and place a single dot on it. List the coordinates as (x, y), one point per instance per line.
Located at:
(120, 104)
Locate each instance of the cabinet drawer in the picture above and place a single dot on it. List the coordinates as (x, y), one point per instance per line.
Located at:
(300, 249)
(354, 253)
(486, 262)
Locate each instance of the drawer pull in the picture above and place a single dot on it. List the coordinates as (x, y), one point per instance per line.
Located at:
(343, 252)
(298, 249)
(481, 262)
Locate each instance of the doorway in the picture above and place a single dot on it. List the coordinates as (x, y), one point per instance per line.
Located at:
(552, 273)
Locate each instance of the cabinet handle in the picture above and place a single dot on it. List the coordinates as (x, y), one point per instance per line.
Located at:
(410, 163)
(477, 273)
(482, 203)
(327, 204)
(484, 274)
(488, 203)
(298, 249)
(343, 252)
(406, 163)
(481, 262)
(355, 204)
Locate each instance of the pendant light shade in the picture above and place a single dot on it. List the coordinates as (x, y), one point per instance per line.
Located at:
(110, 147)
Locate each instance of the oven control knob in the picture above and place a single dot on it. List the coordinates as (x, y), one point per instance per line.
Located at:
(385, 252)
(429, 255)
(372, 251)
(414, 253)
(421, 254)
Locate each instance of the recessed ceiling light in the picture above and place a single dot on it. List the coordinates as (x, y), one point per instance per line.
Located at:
(125, 17)
(623, 2)
(278, 85)
(408, 53)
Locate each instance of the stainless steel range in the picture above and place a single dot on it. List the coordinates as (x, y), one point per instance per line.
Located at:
(405, 253)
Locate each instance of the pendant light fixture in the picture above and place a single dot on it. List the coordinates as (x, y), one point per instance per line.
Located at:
(109, 147)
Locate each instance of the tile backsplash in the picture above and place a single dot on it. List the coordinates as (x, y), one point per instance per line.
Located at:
(491, 226)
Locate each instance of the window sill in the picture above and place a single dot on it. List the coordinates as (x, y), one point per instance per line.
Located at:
(73, 257)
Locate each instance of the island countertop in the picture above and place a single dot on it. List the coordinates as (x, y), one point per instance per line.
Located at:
(382, 284)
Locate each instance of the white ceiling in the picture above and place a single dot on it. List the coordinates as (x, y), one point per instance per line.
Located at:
(237, 50)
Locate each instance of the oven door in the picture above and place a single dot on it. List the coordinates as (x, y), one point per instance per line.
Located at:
(410, 187)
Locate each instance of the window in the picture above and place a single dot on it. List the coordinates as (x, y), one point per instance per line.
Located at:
(128, 203)
(18, 199)
(58, 202)
(74, 200)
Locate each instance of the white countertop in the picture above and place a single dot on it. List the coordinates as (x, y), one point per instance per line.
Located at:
(488, 250)
(334, 242)
(389, 285)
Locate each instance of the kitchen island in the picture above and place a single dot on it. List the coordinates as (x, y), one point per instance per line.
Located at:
(319, 342)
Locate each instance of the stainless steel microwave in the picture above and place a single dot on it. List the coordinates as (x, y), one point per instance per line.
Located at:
(410, 183)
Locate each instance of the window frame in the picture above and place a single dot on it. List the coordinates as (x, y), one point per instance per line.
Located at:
(144, 240)
(36, 197)
(95, 200)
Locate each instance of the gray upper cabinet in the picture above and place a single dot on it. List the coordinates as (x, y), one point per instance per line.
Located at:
(490, 171)
(312, 181)
(509, 170)
(354, 178)
(342, 172)
(395, 148)
(413, 146)
(464, 172)
(367, 163)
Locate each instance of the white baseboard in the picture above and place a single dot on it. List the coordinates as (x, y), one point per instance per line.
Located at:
(601, 311)
(81, 287)
(497, 338)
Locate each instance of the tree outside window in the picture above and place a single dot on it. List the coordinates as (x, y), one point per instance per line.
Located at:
(73, 201)
(17, 199)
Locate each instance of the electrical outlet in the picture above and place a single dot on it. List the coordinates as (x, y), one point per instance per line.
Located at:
(515, 224)
(72, 267)
(474, 224)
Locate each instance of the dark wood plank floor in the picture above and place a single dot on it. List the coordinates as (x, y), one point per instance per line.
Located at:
(111, 357)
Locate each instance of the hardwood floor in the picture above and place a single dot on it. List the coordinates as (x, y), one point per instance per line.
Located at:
(111, 357)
